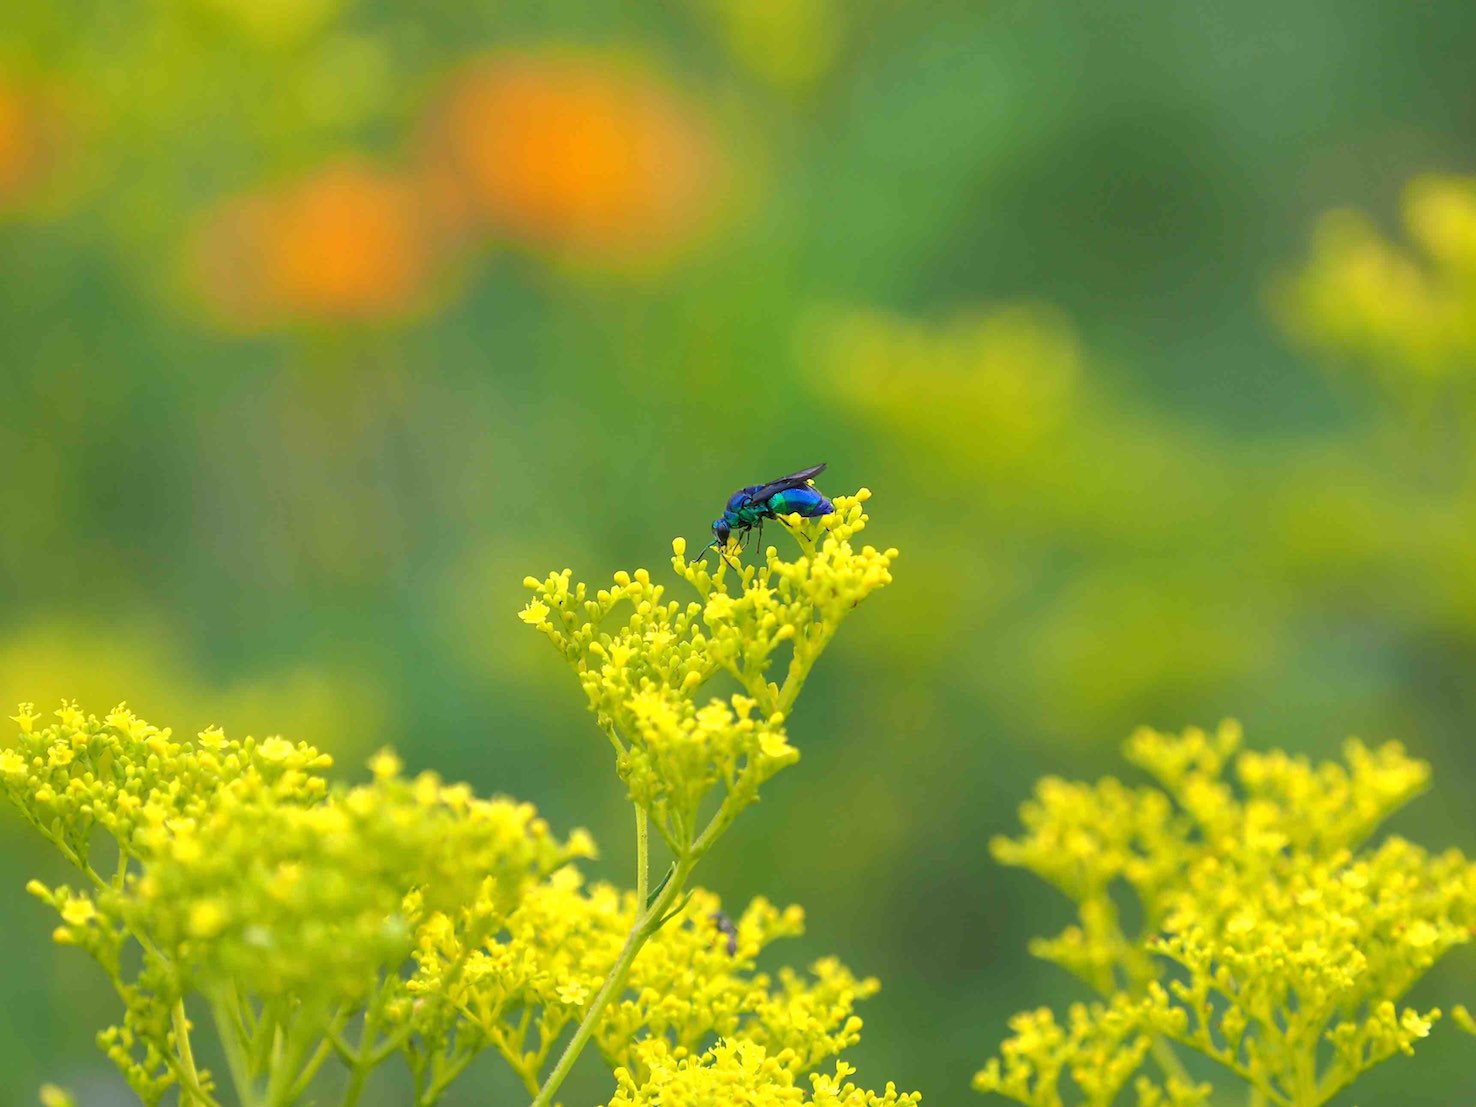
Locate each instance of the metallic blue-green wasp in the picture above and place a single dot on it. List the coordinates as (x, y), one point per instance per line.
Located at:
(749, 507)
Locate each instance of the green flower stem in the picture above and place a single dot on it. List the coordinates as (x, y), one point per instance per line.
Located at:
(667, 837)
(297, 1041)
(449, 1072)
(646, 925)
(1203, 1044)
(1168, 1061)
(1257, 1098)
(514, 1058)
(1307, 1094)
(355, 1087)
(362, 1061)
(805, 653)
(720, 822)
(184, 1063)
(1333, 1082)
(191, 1091)
(261, 1036)
(1162, 1049)
(643, 847)
(310, 1070)
(227, 1026)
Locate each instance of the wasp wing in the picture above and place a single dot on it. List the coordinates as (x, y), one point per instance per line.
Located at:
(794, 480)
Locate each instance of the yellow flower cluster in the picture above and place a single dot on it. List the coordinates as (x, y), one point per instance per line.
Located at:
(306, 901)
(289, 904)
(1409, 317)
(520, 989)
(135, 781)
(433, 925)
(654, 978)
(741, 1072)
(517, 989)
(1097, 1052)
(642, 675)
(687, 986)
(1269, 929)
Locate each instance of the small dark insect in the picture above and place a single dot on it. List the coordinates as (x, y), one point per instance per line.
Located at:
(725, 926)
(749, 507)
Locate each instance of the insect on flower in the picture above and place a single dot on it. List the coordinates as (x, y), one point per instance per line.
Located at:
(749, 507)
(724, 926)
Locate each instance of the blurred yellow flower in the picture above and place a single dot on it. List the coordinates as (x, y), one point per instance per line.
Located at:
(1014, 370)
(1441, 215)
(1410, 316)
(206, 919)
(788, 43)
(341, 707)
(276, 749)
(277, 23)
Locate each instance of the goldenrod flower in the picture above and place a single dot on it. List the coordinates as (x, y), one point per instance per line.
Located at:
(442, 924)
(642, 678)
(1407, 315)
(243, 872)
(746, 1069)
(1269, 926)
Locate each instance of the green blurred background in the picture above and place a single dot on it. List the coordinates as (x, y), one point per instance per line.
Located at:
(323, 322)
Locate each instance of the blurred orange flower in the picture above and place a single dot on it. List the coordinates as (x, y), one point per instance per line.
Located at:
(347, 243)
(579, 151)
(31, 135)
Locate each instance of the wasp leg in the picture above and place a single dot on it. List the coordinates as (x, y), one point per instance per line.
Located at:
(724, 554)
(798, 534)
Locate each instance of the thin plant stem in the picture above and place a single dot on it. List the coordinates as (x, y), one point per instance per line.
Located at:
(355, 1086)
(191, 1076)
(721, 820)
(261, 1036)
(648, 920)
(359, 1071)
(439, 1084)
(515, 1061)
(1168, 1061)
(643, 848)
(310, 1070)
(227, 1027)
(297, 1043)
